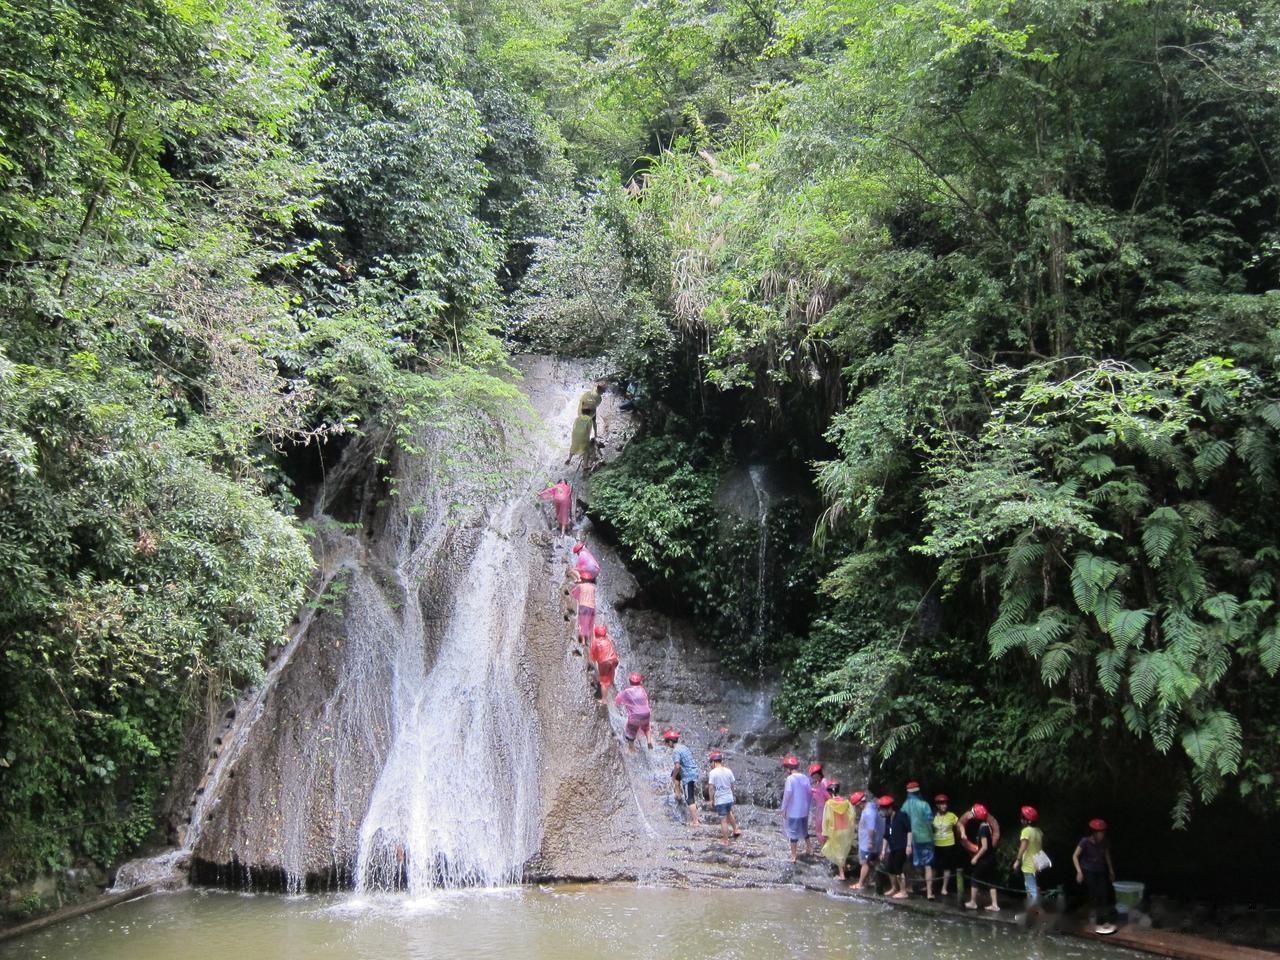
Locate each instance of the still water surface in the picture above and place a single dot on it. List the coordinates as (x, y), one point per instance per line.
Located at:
(563, 923)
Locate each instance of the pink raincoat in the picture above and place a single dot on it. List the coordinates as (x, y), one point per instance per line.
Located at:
(561, 496)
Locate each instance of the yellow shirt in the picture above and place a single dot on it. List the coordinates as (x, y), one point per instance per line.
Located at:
(1035, 843)
(944, 829)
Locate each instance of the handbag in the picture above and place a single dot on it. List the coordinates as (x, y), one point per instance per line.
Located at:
(1041, 861)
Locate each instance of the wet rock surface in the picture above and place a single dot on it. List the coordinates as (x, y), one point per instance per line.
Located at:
(282, 804)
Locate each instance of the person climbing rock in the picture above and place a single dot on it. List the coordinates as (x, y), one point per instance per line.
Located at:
(982, 862)
(561, 497)
(684, 774)
(1094, 869)
(586, 566)
(870, 840)
(948, 855)
(605, 657)
(585, 571)
(797, 797)
(635, 699)
(839, 825)
(584, 591)
(817, 787)
(585, 438)
(897, 838)
(1030, 844)
(721, 780)
(920, 846)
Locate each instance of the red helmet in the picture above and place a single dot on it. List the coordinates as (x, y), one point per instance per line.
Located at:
(1097, 823)
(885, 801)
(670, 736)
(790, 762)
(912, 785)
(715, 756)
(1030, 814)
(635, 678)
(856, 796)
(979, 812)
(815, 768)
(577, 547)
(601, 630)
(941, 798)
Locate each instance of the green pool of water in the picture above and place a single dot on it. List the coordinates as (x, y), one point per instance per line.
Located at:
(529, 923)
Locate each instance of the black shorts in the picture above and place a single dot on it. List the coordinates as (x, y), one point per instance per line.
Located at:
(984, 871)
(689, 792)
(949, 858)
(897, 861)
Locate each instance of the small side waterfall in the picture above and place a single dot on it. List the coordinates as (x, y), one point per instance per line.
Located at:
(764, 592)
(457, 801)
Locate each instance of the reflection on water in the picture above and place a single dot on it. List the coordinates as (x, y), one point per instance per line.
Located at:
(563, 923)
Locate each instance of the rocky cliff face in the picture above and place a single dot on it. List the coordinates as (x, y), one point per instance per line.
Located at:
(287, 800)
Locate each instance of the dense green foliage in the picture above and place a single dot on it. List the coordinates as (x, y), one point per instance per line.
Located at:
(227, 230)
(1002, 275)
(1007, 273)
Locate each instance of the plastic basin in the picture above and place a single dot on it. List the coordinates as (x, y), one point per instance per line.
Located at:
(1129, 894)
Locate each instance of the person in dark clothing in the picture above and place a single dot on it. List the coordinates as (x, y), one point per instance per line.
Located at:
(897, 832)
(1095, 871)
(982, 862)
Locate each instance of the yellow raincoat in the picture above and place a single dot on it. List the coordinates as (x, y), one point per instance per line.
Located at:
(840, 827)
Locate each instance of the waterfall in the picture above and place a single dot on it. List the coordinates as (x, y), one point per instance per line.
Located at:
(457, 801)
(763, 607)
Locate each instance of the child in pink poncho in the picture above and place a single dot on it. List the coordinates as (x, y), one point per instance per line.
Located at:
(561, 497)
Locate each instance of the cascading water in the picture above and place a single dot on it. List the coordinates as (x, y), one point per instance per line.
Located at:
(457, 801)
(764, 595)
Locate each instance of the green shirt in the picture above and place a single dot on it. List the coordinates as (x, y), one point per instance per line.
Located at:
(921, 815)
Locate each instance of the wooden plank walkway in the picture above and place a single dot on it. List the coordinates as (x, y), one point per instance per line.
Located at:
(1183, 946)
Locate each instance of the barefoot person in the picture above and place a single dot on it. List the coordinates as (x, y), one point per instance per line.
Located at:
(721, 780)
(839, 825)
(1092, 860)
(605, 657)
(635, 699)
(796, 800)
(920, 847)
(897, 838)
(684, 774)
(982, 862)
(561, 497)
(870, 840)
(947, 852)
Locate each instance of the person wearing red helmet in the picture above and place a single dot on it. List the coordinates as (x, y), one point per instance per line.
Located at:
(796, 800)
(897, 839)
(585, 572)
(948, 855)
(721, 780)
(605, 657)
(635, 699)
(818, 788)
(1030, 845)
(1094, 869)
(839, 825)
(920, 846)
(982, 863)
(870, 840)
(684, 774)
